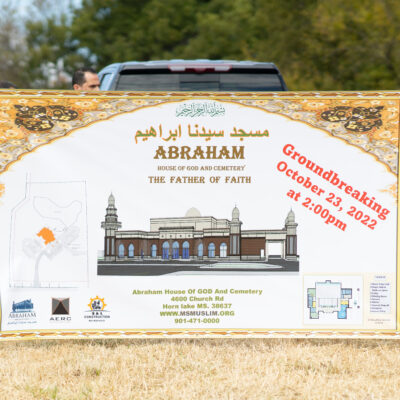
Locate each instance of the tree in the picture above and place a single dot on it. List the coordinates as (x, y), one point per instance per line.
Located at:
(12, 46)
(281, 31)
(134, 30)
(53, 51)
(317, 44)
(354, 45)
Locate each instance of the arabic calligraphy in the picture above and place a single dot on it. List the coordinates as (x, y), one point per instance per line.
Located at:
(240, 133)
(197, 132)
(203, 132)
(211, 109)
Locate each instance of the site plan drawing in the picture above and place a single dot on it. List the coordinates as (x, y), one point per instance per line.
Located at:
(48, 245)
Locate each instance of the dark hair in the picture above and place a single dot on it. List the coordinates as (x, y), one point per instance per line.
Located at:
(79, 75)
(7, 85)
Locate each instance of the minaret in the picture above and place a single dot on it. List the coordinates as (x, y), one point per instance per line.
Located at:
(234, 233)
(110, 225)
(291, 237)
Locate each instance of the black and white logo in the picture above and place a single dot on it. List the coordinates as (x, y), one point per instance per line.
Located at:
(60, 308)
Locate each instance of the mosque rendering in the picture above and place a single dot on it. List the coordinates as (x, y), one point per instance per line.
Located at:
(197, 240)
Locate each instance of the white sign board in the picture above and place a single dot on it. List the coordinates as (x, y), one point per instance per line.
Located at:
(198, 214)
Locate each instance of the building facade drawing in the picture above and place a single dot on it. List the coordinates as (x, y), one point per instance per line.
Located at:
(196, 238)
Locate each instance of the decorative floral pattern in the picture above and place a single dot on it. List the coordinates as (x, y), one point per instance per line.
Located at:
(30, 122)
(371, 125)
(39, 118)
(358, 119)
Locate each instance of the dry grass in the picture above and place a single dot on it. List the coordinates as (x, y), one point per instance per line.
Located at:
(200, 369)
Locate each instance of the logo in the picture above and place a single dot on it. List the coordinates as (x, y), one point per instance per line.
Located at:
(97, 310)
(22, 313)
(60, 309)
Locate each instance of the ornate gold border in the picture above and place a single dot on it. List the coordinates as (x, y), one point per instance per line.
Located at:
(109, 94)
(197, 333)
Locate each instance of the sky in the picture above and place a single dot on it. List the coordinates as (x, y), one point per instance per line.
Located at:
(57, 5)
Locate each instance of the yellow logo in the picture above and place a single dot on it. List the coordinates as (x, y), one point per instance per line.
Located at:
(97, 304)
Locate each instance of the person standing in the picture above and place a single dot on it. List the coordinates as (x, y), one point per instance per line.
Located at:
(7, 85)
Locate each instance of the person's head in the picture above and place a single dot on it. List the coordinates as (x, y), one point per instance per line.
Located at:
(85, 79)
(7, 85)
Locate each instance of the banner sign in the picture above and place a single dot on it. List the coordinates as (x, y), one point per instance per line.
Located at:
(198, 214)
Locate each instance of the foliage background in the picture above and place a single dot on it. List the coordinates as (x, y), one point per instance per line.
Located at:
(317, 44)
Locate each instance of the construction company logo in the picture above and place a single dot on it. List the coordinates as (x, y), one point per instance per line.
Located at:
(22, 313)
(97, 310)
(60, 309)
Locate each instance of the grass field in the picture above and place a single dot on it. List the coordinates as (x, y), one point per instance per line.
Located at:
(200, 369)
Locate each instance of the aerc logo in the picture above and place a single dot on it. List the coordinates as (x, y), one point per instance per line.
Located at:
(60, 309)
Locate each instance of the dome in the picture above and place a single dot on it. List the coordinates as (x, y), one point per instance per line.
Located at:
(235, 213)
(290, 217)
(193, 212)
(111, 200)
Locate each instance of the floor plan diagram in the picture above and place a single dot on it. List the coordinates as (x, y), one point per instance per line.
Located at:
(329, 297)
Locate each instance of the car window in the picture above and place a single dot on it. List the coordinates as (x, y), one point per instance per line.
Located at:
(105, 81)
(215, 81)
(250, 82)
(148, 82)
